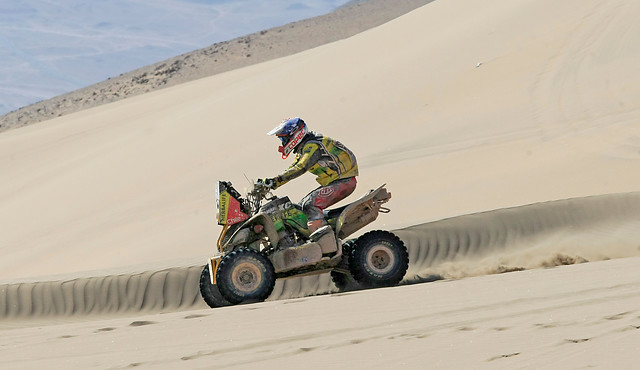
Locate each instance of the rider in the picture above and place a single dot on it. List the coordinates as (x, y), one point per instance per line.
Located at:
(334, 165)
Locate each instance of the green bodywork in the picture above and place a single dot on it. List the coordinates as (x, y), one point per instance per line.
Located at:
(292, 217)
(281, 213)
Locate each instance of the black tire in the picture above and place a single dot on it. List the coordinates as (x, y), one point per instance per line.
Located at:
(245, 276)
(379, 259)
(210, 292)
(345, 282)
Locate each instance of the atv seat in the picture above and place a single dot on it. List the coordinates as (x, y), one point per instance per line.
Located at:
(333, 213)
(328, 213)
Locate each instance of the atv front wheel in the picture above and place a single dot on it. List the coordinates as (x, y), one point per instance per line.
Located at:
(245, 275)
(210, 292)
(379, 259)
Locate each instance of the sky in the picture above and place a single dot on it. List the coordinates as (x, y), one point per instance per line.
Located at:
(49, 47)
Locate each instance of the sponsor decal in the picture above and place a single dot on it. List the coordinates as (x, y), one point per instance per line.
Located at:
(223, 205)
(230, 212)
(299, 135)
(235, 220)
(325, 192)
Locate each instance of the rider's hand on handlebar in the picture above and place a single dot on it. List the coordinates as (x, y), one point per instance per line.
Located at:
(268, 182)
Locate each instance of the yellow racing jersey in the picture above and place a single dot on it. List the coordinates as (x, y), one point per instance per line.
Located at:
(324, 157)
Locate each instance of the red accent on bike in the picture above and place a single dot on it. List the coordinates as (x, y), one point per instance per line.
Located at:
(234, 214)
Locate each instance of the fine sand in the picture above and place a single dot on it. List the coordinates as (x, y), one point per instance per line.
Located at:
(581, 316)
(507, 131)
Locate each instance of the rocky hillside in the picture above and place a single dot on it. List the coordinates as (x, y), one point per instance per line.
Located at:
(220, 57)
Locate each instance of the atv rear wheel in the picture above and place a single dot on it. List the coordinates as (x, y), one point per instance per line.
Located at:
(245, 275)
(344, 282)
(379, 259)
(210, 292)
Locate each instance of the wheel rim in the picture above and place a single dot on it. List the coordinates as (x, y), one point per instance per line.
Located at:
(246, 277)
(381, 259)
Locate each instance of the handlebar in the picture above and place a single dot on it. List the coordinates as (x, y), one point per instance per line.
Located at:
(259, 191)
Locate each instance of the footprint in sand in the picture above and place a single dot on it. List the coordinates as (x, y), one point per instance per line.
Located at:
(252, 308)
(195, 316)
(577, 340)
(104, 329)
(466, 328)
(500, 328)
(504, 356)
(409, 336)
(306, 349)
(141, 323)
(295, 301)
(617, 316)
(627, 328)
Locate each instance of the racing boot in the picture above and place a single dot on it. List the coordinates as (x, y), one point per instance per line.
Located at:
(314, 225)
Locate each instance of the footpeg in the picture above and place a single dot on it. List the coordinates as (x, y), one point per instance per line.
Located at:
(325, 237)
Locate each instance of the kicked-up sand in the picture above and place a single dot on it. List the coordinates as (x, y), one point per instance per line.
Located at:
(508, 133)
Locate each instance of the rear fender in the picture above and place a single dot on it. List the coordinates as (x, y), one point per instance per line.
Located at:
(362, 212)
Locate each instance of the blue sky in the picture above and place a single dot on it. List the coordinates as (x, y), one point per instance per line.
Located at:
(51, 47)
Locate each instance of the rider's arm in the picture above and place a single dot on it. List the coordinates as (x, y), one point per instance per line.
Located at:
(304, 161)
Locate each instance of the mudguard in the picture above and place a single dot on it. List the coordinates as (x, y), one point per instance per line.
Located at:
(259, 218)
(362, 212)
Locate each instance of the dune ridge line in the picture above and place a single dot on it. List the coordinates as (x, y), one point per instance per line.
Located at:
(527, 235)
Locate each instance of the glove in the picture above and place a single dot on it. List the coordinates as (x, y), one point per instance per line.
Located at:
(268, 182)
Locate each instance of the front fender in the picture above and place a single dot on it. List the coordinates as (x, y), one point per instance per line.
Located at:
(241, 235)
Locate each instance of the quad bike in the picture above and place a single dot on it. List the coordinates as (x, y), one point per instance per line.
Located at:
(265, 237)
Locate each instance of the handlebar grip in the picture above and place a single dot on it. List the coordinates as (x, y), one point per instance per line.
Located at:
(269, 183)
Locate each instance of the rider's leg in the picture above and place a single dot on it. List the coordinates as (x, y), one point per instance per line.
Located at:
(319, 199)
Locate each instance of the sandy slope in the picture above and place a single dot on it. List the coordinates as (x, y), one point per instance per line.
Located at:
(132, 182)
(462, 108)
(567, 317)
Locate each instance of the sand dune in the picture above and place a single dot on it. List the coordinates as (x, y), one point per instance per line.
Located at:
(167, 290)
(539, 235)
(507, 130)
(132, 182)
